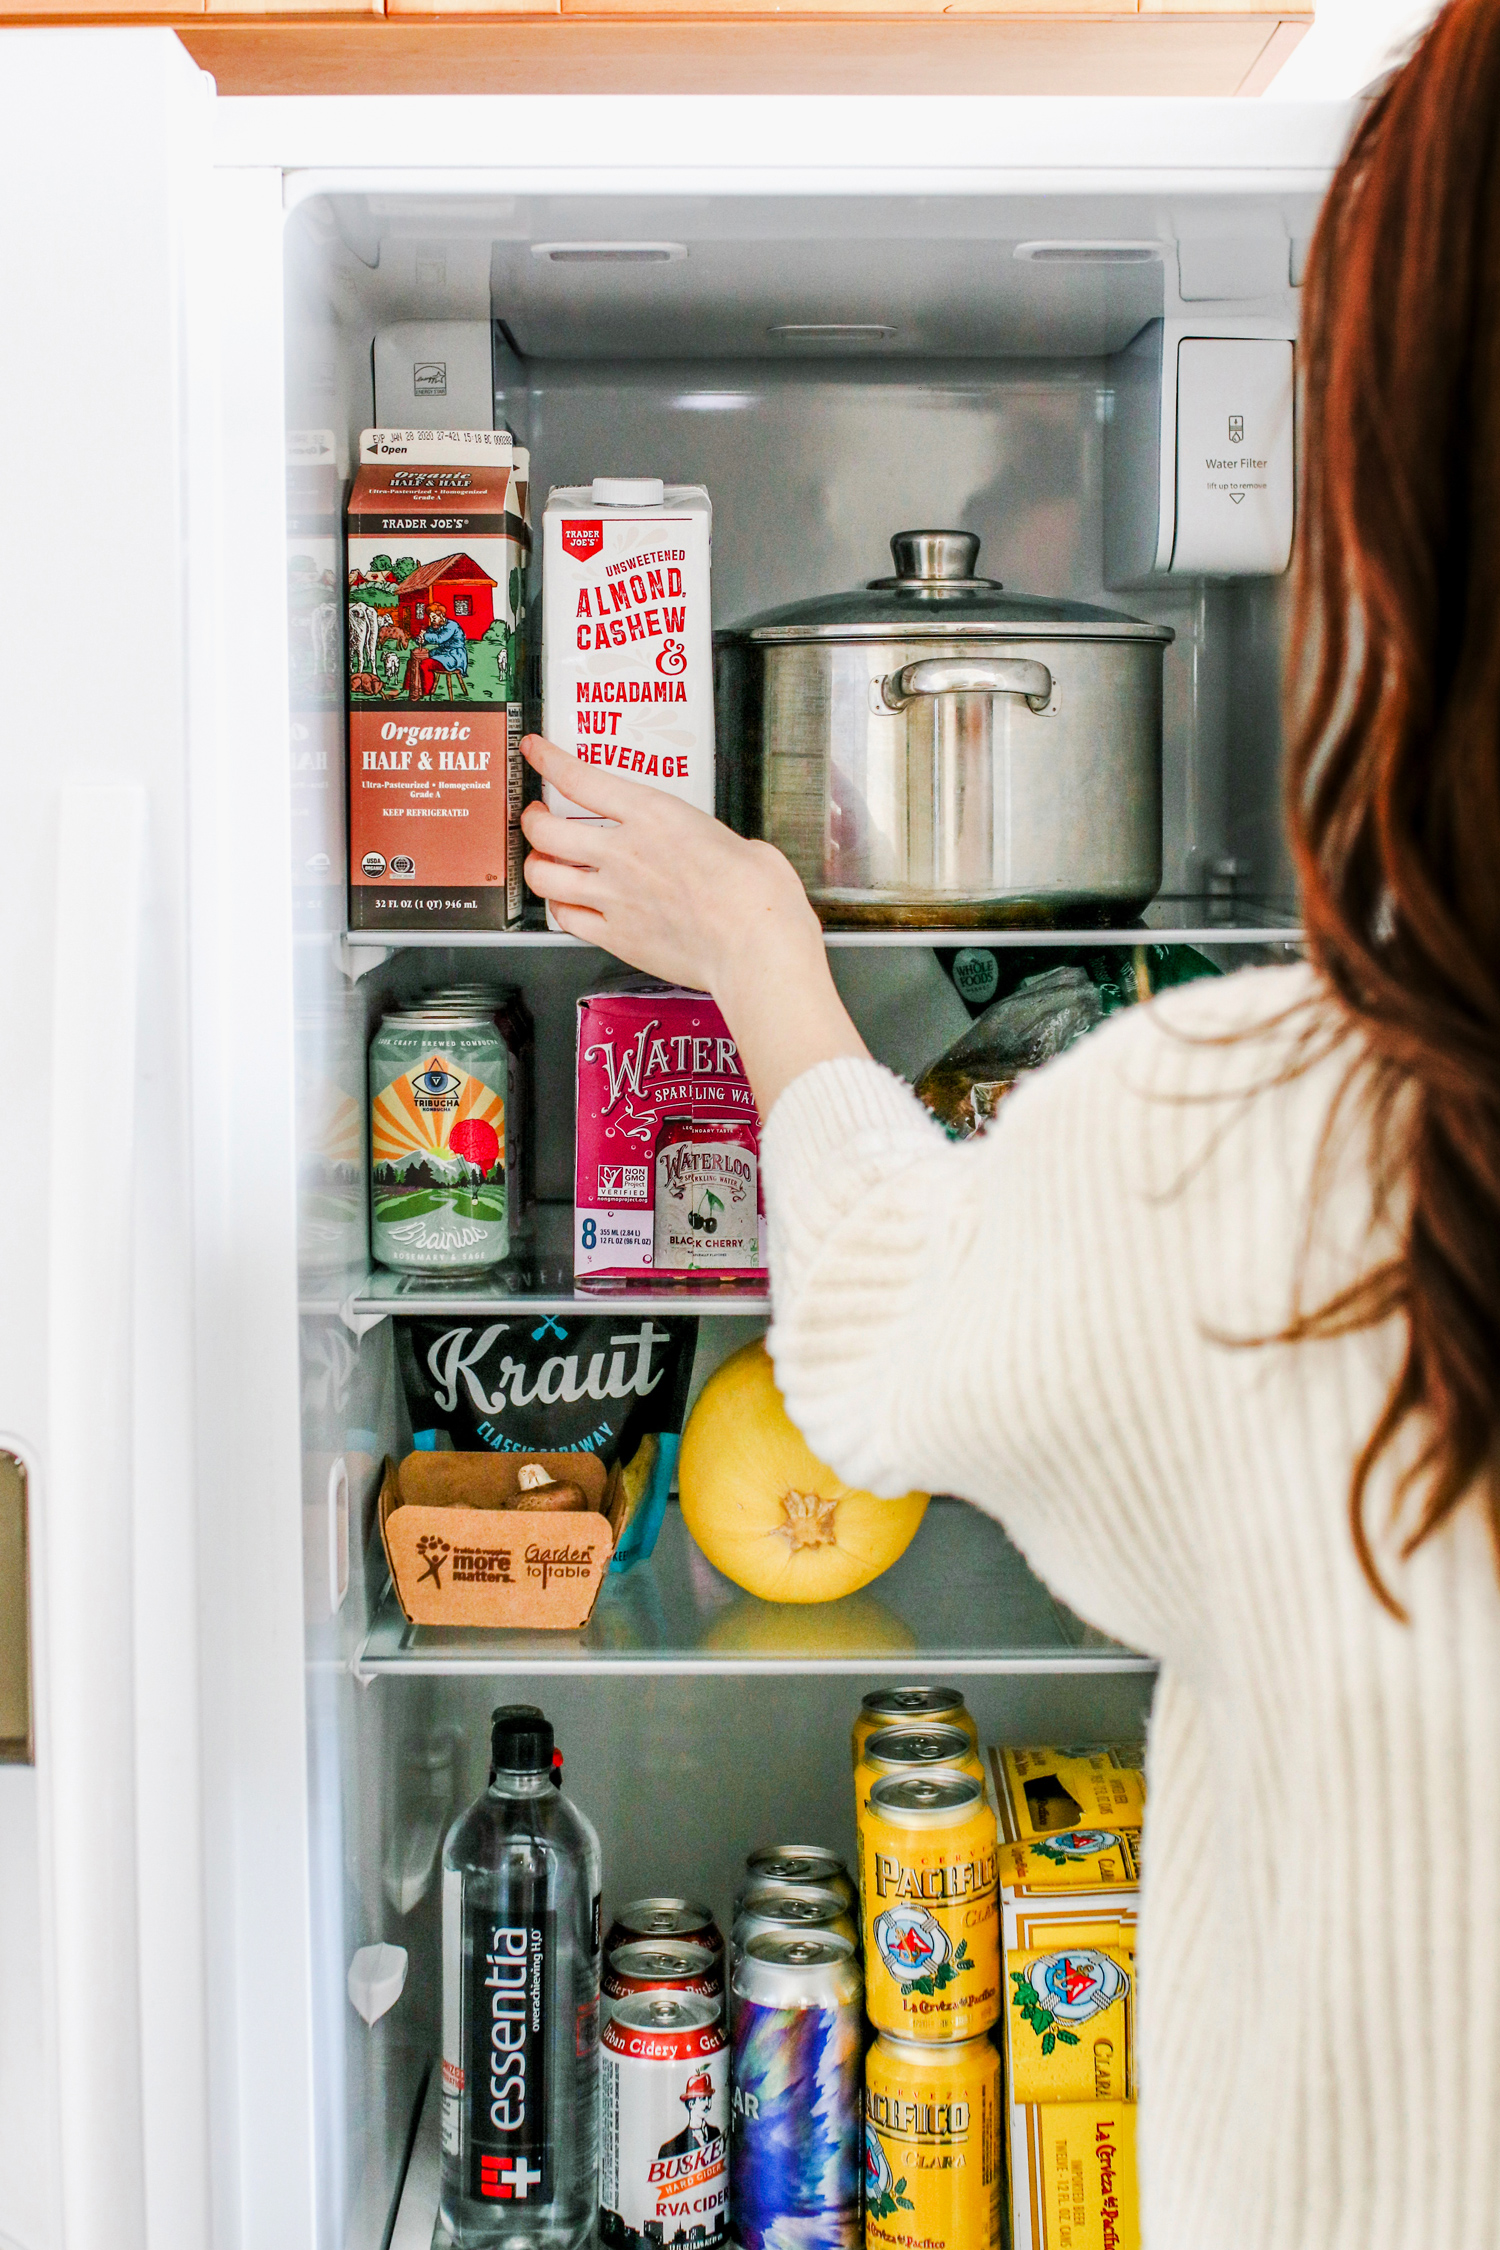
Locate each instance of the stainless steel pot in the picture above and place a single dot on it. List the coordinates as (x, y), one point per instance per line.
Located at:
(932, 749)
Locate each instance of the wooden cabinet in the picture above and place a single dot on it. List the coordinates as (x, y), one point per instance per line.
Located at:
(1018, 47)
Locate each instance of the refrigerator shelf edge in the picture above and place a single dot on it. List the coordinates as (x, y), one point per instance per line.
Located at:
(961, 1599)
(1167, 921)
(538, 1280)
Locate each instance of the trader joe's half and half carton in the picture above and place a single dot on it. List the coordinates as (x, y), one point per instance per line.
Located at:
(437, 549)
(1068, 1907)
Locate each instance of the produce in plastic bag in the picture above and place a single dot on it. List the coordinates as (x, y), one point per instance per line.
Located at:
(970, 1079)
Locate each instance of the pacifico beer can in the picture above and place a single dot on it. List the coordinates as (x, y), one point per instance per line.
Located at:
(797, 1866)
(661, 1965)
(798, 2048)
(929, 1863)
(932, 2145)
(439, 1184)
(910, 1706)
(664, 2122)
(665, 1918)
(908, 1749)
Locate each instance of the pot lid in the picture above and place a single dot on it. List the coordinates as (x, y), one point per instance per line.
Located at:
(935, 595)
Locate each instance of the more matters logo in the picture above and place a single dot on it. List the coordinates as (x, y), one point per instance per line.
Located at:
(580, 540)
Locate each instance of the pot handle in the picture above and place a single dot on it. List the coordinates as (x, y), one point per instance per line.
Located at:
(968, 675)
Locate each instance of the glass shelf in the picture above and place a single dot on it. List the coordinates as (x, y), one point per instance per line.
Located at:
(961, 1599)
(1166, 921)
(540, 1279)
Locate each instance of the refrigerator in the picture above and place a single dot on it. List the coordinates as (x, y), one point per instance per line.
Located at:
(231, 1762)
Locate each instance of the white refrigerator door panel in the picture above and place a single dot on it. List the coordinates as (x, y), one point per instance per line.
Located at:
(120, 1280)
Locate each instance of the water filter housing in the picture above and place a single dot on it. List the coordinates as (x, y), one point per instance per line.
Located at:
(1200, 455)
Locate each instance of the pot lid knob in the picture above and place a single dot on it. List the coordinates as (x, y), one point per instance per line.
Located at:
(944, 555)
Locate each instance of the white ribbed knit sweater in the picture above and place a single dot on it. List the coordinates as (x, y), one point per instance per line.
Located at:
(1030, 1321)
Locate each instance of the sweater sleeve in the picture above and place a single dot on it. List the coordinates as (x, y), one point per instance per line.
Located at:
(997, 1319)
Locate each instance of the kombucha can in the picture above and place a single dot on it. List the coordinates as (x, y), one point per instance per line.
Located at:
(661, 1965)
(776, 1906)
(910, 1706)
(665, 1918)
(664, 2117)
(931, 1907)
(798, 1865)
(438, 1188)
(798, 2047)
(932, 2145)
(514, 1023)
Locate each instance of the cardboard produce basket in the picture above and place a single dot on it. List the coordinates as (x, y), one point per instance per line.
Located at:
(459, 1554)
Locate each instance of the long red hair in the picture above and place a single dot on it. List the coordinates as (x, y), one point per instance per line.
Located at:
(1394, 748)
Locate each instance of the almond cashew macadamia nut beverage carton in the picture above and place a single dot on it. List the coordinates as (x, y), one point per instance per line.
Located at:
(627, 635)
(438, 541)
(1068, 1909)
(667, 1185)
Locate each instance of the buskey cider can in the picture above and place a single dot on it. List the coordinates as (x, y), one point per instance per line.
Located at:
(798, 2079)
(776, 1906)
(661, 1965)
(664, 2119)
(929, 1856)
(650, 1918)
(438, 1183)
(910, 1706)
(798, 1865)
(667, 1182)
(932, 2145)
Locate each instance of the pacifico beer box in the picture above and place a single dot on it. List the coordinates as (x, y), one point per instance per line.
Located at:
(1042, 1791)
(438, 542)
(667, 1186)
(1069, 1900)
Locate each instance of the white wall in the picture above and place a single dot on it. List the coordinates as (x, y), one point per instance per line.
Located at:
(1351, 43)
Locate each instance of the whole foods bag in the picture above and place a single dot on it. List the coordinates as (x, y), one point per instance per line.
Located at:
(614, 1384)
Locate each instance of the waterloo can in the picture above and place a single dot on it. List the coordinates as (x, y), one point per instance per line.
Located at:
(931, 1907)
(798, 2046)
(661, 1965)
(798, 1865)
(664, 2119)
(932, 2145)
(910, 1706)
(438, 1188)
(665, 1918)
(706, 1195)
(908, 1749)
(775, 1906)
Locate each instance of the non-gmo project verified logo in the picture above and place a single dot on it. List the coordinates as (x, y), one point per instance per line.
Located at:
(580, 540)
(507, 2177)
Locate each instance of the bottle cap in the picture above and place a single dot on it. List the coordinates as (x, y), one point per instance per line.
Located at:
(521, 1742)
(627, 492)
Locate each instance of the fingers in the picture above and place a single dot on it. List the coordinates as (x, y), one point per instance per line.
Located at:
(554, 879)
(588, 786)
(570, 840)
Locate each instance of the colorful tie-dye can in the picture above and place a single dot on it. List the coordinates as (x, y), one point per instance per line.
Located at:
(796, 2159)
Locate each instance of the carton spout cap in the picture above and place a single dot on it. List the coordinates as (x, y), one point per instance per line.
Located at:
(627, 492)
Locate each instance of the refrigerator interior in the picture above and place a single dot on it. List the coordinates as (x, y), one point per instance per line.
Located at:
(954, 382)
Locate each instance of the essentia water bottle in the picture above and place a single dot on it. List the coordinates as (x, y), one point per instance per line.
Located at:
(520, 2004)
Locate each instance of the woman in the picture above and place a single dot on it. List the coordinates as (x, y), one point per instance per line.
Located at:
(1211, 1319)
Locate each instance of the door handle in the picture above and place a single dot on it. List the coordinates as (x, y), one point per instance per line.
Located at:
(968, 675)
(15, 1614)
